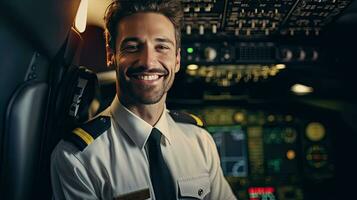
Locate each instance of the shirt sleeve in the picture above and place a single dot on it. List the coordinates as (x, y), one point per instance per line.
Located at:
(220, 189)
(70, 179)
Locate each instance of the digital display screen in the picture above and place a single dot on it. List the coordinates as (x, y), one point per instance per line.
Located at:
(261, 193)
(231, 144)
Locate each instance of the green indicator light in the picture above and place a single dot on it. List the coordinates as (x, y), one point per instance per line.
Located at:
(190, 50)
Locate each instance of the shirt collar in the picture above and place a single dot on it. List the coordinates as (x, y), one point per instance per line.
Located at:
(163, 126)
(136, 128)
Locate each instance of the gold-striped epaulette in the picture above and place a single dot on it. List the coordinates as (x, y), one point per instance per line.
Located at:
(85, 134)
(187, 118)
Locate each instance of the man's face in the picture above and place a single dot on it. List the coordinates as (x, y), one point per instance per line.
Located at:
(146, 58)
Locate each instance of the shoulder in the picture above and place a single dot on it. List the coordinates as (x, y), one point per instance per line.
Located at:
(85, 134)
(193, 128)
(187, 118)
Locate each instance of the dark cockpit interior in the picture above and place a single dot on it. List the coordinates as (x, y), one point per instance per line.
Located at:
(273, 79)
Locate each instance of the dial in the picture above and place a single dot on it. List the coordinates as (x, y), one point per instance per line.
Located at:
(315, 131)
(210, 53)
(289, 134)
(316, 156)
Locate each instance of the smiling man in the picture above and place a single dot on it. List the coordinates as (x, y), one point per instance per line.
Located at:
(138, 149)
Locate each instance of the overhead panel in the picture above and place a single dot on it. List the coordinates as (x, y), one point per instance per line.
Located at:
(259, 18)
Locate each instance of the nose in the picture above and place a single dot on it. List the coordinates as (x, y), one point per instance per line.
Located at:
(148, 57)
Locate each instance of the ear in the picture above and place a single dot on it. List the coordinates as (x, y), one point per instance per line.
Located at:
(110, 56)
(178, 60)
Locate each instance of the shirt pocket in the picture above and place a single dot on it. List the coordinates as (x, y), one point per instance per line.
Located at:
(196, 187)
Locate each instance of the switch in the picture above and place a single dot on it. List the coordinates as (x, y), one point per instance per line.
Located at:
(214, 28)
(236, 32)
(208, 8)
(267, 32)
(264, 24)
(197, 9)
(201, 29)
(188, 30)
(292, 32)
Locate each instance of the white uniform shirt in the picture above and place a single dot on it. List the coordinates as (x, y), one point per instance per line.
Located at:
(116, 165)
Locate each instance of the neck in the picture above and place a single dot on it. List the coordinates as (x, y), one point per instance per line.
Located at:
(150, 113)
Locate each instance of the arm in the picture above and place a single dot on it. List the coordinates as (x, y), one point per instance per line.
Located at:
(220, 188)
(69, 178)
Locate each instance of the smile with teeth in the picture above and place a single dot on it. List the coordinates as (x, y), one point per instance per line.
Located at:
(147, 77)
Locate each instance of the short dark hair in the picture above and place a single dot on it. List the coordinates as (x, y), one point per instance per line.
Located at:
(119, 9)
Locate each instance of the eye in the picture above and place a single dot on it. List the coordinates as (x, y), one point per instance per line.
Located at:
(130, 47)
(162, 47)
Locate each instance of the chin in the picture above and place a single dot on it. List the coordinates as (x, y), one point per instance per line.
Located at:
(149, 101)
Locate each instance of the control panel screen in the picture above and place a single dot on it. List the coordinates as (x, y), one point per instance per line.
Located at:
(262, 193)
(231, 145)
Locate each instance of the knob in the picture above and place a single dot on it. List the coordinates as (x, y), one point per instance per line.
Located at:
(210, 53)
(315, 55)
(227, 56)
(287, 54)
(302, 55)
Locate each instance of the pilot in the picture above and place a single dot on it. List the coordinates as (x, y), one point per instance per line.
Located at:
(137, 148)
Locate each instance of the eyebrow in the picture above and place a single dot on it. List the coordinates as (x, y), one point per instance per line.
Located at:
(129, 39)
(135, 39)
(164, 39)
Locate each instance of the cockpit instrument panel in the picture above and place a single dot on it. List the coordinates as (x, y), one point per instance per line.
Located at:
(269, 155)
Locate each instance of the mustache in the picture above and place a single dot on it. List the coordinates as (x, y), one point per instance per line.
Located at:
(142, 69)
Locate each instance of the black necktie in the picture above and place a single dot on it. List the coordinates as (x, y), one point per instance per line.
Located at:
(160, 175)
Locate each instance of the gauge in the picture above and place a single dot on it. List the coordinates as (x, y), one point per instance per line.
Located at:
(315, 131)
(273, 135)
(239, 117)
(289, 135)
(316, 156)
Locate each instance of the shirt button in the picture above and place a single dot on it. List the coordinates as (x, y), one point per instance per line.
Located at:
(200, 192)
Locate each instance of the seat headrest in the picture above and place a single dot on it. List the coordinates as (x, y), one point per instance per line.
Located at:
(79, 93)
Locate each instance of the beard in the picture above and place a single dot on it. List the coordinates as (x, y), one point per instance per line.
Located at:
(144, 94)
(133, 94)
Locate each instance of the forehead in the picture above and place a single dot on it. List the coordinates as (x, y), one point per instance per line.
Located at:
(146, 25)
